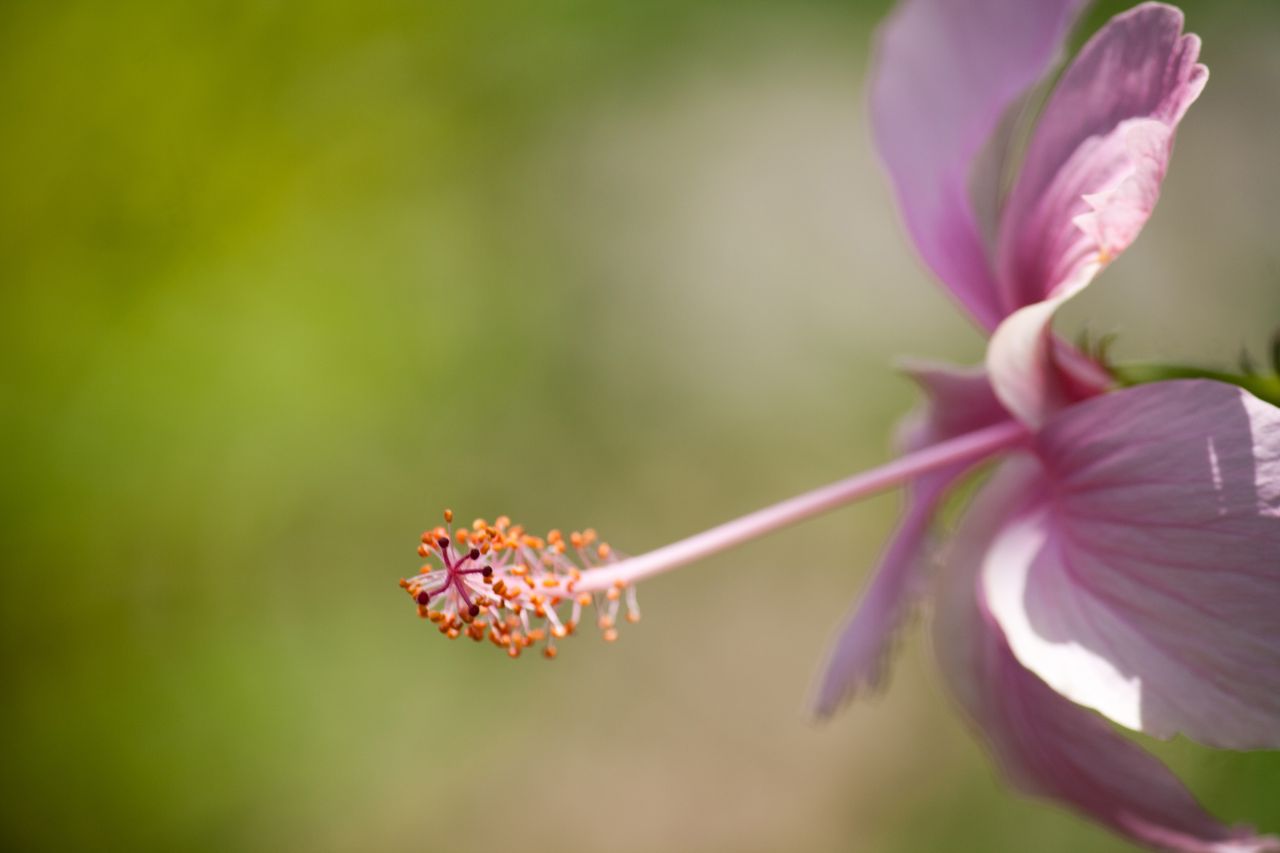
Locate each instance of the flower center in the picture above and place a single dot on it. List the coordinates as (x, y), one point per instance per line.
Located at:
(497, 581)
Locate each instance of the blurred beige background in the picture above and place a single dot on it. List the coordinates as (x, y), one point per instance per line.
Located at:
(281, 281)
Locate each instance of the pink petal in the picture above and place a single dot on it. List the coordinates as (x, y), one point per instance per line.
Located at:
(1095, 163)
(960, 400)
(1047, 746)
(945, 74)
(1090, 181)
(1021, 363)
(1033, 372)
(1145, 581)
(859, 659)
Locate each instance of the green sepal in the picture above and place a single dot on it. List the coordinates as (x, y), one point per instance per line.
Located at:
(1265, 386)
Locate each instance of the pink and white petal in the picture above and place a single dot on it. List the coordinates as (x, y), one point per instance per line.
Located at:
(1145, 581)
(959, 400)
(1022, 364)
(1047, 746)
(1095, 164)
(1117, 212)
(1033, 372)
(945, 73)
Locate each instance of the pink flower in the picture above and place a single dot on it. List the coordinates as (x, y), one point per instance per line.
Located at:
(1128, 559)
(948, 77)
(1125, 557)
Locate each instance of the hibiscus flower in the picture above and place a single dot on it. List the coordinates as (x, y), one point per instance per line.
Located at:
(1123, 561)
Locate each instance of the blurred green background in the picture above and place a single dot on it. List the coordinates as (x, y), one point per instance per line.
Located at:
(282, 280)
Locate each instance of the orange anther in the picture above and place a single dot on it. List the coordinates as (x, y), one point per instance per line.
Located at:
(502, 612)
